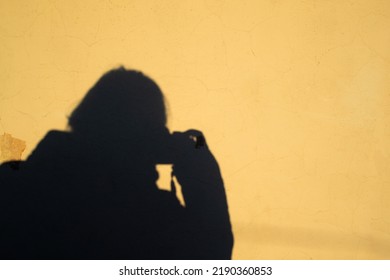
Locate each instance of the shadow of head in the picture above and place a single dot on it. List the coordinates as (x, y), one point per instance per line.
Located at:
(123, 103)
(124, 109)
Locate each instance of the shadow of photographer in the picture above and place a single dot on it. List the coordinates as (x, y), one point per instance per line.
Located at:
(91, 193)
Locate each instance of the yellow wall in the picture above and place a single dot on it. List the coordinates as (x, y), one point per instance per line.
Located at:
(293, 97)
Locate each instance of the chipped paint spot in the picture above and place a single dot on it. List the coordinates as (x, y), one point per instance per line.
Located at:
(11, 148)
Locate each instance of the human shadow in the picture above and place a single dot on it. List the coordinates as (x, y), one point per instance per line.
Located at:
(91, 193)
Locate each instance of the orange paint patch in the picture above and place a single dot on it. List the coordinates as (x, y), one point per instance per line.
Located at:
(11, 148)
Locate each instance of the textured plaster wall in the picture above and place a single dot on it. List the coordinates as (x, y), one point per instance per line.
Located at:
(293, 97)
